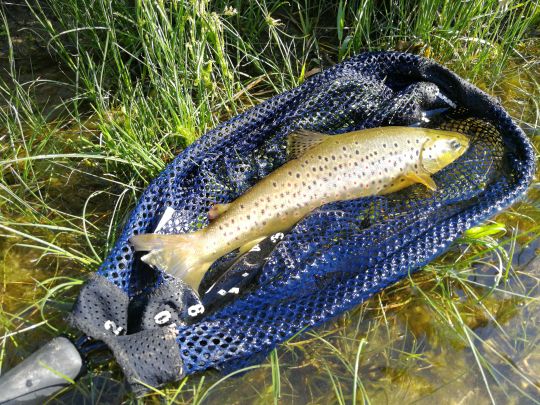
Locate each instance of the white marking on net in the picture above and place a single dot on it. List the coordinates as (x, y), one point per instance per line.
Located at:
(447, 100)
(167, 215)
(162, 317)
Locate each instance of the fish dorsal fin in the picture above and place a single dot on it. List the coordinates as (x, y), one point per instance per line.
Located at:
(301, 140)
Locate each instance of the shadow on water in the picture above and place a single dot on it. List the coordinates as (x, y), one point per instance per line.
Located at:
(444, 335)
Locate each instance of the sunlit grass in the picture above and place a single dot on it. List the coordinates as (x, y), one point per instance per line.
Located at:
(148, 78)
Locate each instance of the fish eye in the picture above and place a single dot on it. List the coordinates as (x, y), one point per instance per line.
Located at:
(455, 144)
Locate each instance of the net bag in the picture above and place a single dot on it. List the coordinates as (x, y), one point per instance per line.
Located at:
(335, 258)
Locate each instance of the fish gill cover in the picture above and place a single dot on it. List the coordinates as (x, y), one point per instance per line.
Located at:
(332, 260)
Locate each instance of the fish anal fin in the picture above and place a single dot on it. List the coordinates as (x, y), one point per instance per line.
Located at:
(248, 246)
(301, 140)
(216, 210)
(422, 178)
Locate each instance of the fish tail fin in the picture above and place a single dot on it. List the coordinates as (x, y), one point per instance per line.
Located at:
(183, 256)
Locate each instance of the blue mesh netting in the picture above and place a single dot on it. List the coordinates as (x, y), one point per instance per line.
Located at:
(344, 252)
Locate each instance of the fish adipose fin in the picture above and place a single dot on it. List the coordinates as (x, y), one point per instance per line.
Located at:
(422, 178)
(181, 256)
(301, 140)
(217, 210)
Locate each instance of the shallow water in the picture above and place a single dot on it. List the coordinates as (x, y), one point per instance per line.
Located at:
(449, 334)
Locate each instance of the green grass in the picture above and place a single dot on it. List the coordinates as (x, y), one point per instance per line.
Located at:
(141, 80)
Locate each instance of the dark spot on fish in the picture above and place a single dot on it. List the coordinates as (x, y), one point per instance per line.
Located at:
(297, 175)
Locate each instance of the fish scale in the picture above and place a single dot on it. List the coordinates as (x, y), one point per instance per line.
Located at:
(322, 169)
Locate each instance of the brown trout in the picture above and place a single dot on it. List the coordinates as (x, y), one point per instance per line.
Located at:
(322, 169)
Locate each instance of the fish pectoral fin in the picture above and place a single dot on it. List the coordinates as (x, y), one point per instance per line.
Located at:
(217, 210)
(422, 178)
(299, 141)
(250, 245)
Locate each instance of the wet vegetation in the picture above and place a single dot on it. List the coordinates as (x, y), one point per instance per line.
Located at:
(96, 97)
